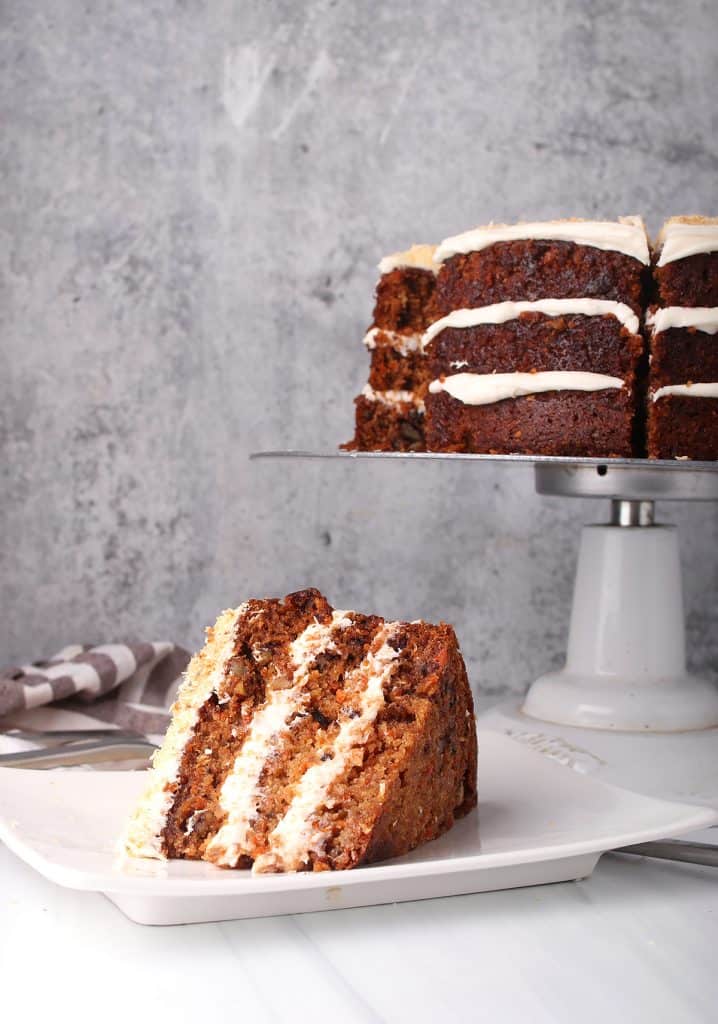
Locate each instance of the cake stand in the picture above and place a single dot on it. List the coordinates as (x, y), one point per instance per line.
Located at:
(624, 705)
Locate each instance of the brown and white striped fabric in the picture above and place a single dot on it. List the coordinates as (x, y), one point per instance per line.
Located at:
(128, 685)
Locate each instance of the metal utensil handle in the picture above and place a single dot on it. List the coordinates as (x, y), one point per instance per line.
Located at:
(78, 753)
(674, 849)
(71, 735)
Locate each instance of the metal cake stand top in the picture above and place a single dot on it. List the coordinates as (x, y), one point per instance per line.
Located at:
(622, 479)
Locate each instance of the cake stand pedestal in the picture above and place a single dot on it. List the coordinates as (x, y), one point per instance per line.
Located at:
(624, 705)
(626, 660)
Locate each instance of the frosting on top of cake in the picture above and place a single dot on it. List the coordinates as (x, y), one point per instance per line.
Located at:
(709, 390)
(502, 312)
(686, 236)
(626, 235)
(487, 388)
(419, 256)
(702, 318)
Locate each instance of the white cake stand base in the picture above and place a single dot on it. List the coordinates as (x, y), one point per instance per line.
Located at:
(626, 663)
(675, 766)
(624, 706)
(626, 660)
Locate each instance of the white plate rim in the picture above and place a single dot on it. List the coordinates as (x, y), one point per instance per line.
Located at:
(680, 819)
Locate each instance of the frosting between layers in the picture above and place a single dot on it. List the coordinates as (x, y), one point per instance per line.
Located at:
(686, 237)
(401, 343)
(238, 795)
(144, 833)
(420, 257)
(394, 399)
(295, 837)
(487, 388)
(709, 390)
(502, 312)
(626, 235)
(703, 318)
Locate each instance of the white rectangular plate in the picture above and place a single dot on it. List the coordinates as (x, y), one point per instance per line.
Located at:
(539, 822)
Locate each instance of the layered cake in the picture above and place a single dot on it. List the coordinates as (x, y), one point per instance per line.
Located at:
(559, 259)
(305, 738)
(390, 409)
(538, 348)
(683, 379)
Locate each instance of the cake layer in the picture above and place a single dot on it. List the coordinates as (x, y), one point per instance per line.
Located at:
(382, 427)
(683, 427)
(692, 281)
(323, 739)
(534, 342)
(686, 271)
(530, 269)
(599, 423)
(683, 354)
(392, 371)
(404, 299)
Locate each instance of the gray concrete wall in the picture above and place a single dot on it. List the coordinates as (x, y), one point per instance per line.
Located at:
(194, 198)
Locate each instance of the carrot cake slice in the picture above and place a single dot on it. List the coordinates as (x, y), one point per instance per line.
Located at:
(682, 407)
(539, 349)
(306, 738)
(390, 409)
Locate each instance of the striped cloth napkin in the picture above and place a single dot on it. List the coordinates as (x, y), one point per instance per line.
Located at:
(130, 686)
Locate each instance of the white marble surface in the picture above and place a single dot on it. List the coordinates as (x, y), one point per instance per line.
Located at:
(635, 942)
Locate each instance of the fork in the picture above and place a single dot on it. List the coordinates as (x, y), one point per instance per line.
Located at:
(675, 849)
(77, 746)
(59, 736)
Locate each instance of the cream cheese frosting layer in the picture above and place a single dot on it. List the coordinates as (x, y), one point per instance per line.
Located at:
(502, 312)
(702, 318)
(689, 236)
(627, 235)
(296, 834)
(419, 257)
(487, 388)
(394, 399)
(709, 390)
(240, 790)
(205, 675)
(401, 343)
